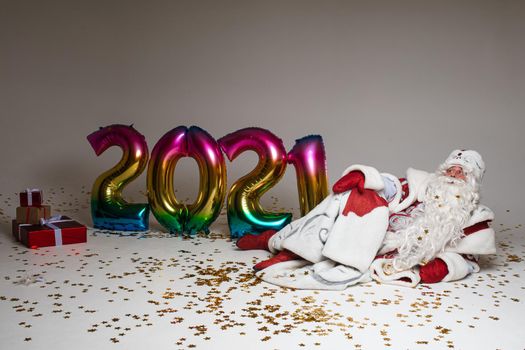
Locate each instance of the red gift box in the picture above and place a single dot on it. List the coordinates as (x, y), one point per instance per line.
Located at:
(31, 197)
(56, 231)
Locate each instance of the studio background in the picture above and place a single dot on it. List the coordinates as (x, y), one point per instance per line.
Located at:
(391, 84)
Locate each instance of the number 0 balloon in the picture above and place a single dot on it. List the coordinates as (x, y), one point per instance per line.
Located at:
(178, 217)
(109, 210)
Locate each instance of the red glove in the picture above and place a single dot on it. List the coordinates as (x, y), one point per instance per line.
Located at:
(351, 180)
(434, 271)
(362, 201)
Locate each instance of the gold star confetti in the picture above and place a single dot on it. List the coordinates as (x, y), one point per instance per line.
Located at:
(205, 289)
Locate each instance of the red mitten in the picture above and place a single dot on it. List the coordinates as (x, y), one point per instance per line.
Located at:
(351, 180)
(260, 241)
(434, 271)
(282, 256)
(362, 201)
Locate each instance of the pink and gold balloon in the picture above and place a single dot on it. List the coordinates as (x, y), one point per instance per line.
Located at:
(245, 213)
(175, 216)
(109, 210)
(309, 159)
(212, 187)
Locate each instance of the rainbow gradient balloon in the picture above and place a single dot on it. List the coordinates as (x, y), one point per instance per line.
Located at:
(109, 210)
(178, 217)
(245, 213)
(309, 159)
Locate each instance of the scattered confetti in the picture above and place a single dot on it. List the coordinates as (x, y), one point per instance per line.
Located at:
(123, 288)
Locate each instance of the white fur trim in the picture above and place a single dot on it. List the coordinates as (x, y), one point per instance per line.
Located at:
(469, 160)
(417, 182)
(354, 240)
(377, 273)
(480, 214)
(304, 232)
(332, 272)
(479, 242)
(306, 236)
(457, 266)
(373, 179)
(303, 275)
(422, 188)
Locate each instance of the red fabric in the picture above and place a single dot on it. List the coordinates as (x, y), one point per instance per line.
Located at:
(476, 227)
(248, 242)
(404, 188)
(351, 180)
(388, 255)
(362, 201)
(434, 271)
(282, 256)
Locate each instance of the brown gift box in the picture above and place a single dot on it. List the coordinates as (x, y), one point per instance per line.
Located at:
(32, 215)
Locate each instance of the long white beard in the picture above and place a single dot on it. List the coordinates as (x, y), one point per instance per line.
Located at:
(446, 209)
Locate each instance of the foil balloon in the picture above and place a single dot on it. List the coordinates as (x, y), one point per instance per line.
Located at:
(245, 213)
(309, 159)
(168, 211)
(109, 210)
(175, 216)
(212, 185)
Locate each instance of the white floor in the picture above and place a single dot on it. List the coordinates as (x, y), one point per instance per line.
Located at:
(171, 293)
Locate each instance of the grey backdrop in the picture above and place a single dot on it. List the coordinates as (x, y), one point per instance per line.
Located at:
(387, 83)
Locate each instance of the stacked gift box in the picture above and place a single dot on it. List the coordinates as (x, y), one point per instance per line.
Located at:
(35, 227)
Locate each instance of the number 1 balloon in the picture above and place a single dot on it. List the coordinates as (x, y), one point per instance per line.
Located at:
(308, 158)
(108, 208)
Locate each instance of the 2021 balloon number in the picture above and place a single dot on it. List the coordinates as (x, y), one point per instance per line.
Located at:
(245, 213)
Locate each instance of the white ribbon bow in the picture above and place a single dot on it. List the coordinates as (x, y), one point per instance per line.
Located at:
(51, 224)
(29, 192)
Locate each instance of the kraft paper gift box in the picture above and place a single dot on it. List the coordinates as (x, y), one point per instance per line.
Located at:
(32, 215)
(56, 231)
(31, 197)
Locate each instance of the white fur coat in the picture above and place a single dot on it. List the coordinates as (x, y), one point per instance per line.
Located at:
(338, 251)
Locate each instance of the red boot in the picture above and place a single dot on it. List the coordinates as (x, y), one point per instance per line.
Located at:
(248, 242)
(282, 256)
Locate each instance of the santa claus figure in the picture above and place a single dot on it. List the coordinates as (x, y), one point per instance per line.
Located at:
(424, 228)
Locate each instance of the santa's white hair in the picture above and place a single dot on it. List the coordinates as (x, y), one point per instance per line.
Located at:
(438, 222)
